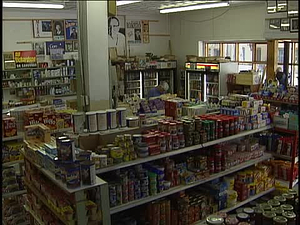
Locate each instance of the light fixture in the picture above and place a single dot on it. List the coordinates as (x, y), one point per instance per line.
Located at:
(293, 12)
(195, 7)
(32, 5)
(125, 2)
(273, 26)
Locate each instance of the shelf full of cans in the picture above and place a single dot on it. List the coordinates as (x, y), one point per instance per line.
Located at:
(62, 179)
(194, 205)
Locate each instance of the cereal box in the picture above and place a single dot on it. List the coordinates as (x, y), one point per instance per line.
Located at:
(9, 127)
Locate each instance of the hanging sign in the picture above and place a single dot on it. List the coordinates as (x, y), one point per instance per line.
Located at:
(25, 59)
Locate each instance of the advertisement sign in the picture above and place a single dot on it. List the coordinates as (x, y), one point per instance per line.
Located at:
(134, 31)
(25, 59)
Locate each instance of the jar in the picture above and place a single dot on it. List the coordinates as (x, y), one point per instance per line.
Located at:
(291, 217)
(132, 121)
(287, 207)
(274, 203)
(258, 216)
(161, 125)
(172, 129)
(231, 126)
(181, 141)
(116, 154)
(268, 218)
(91, 119)
(278, 211)
(121, 117)
(169, 144)
(137, 138)
(142, 120)
(243, 217)
(239, 210)
(214, 220)
(280, 220)
(250, 212)
(265, 207)
(226, 127)
(166, 126)
(281, 199)
(175, 142)
(111, 118)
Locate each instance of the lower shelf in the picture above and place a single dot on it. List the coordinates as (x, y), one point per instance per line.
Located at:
(8, 195)
(239, 204)
(33, 215)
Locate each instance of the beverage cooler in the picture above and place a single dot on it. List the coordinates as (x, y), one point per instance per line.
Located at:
(133, 82)
(207, 81)
(150, 80)
(168, 75)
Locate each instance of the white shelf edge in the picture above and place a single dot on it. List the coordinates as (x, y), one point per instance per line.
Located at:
(8, 195)
(179, 188)
(59, 183)
(18, 137)
(180, 151)
(239, 204)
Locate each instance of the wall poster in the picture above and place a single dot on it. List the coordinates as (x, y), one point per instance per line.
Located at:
(58, 30)
(134, 31)
(39, 47)
(71, 29)
(42, 28)
(145, 31)
(25, 59)
(55, 45)
(116, 34)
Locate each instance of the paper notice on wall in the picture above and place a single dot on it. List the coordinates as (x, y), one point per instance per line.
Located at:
(134, 31)
(145, 31)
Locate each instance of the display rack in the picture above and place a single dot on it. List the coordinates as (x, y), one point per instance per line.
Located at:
(240, 204)
(180, 151)
(179, 188)
(79, 194)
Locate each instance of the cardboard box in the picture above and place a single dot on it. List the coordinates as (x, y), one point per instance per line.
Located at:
(281, 122)
(251, 78)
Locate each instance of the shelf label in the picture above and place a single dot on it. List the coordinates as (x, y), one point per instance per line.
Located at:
(200, 66)
(215, 67)
(188, 65)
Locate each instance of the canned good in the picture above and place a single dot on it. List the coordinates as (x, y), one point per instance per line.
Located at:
(78, 122)
(111, 118)
(287, 207)
(121, 117)
(112, 195)
(91, 121)
(291, 217)
(103, 161)
(258, 216)
(101, 120)
(281, 199)
(290, 199)
(274, 203)
(214, 220)
(280, 220)
(243, 217)
(268, 218)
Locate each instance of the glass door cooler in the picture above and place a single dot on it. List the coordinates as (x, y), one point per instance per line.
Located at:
(150, 80)
(133, 82)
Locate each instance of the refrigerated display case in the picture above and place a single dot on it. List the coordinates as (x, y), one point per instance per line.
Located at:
(150, 80)
(207, 81)
(168, 75)
(133, 82)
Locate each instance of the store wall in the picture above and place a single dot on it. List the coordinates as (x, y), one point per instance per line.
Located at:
(244, 22)
(159, 44)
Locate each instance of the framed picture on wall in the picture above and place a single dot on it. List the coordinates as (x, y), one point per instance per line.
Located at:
(71, 29)
(75, 46)
(58, 30)
(274, 24)
(294, 23)
(39, 47)
(42, 28)
(285, 24)
(117, 34)
(69, 46)
(55, 45)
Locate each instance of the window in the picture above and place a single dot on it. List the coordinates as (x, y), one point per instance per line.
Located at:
(261, 52)
(245, 52)
(213, 50)
(229, 51)
(245, 66)
(293, 61)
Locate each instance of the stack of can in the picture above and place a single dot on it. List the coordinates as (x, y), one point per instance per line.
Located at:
(112, 195)
(188, 129)
(144, 180)
(160, 178)
(124, 182)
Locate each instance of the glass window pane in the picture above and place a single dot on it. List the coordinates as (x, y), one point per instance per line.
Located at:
(291, 50)
(295, 75)
(260, 69)
(296, 54)
(280, 53)
(261, 52)
(213, 50)
(245, 66)
(229, 51)
(245, 52)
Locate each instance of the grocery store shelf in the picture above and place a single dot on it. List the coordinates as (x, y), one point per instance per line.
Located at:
(12, 163)
(180, 151)
(59, 183)
(285, 157)
(34, 215)
(286, 183)
(212, 96)
(12, 194)
(18, 137)
(20, 78)
(239, 204)
(179, 188)
(55, 77)
(69, 129)
(280, 101)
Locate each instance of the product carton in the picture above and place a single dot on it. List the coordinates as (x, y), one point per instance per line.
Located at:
(281, 122)
(249, 78)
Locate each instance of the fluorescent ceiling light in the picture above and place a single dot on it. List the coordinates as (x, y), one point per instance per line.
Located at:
(281, 4)
(273, 26)
(32, 5)
(285, 25)
(292, 12)
(119, 3)
(195, 7)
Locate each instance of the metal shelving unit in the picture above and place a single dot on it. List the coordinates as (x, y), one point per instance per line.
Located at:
(179, 188)
(180, 151)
